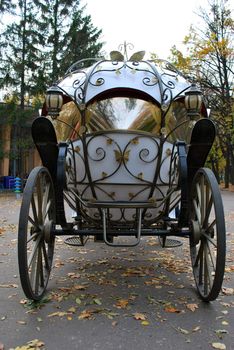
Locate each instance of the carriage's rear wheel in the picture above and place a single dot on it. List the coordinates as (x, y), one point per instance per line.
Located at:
(35, 242)
(207, 242)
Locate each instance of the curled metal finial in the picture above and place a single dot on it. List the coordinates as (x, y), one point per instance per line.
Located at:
(124, 47)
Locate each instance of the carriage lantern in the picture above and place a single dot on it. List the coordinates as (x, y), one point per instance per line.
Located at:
(54, 101)
(193, 101)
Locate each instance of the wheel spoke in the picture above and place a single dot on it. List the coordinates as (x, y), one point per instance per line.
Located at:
(212, 241)
(201, 265)
(39, 199)
(45, 202)
(198, 256)
(35, 250)
(202, 204)
(208, 211)
(45, 256)
(198, 214)
(32, 237)
(37, 271)
(34, 211)
(207, 271)
(212, 257)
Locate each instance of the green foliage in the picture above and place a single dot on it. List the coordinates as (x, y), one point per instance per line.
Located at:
(208, 60)
(11, 113)
(42, 41)
(69, 34)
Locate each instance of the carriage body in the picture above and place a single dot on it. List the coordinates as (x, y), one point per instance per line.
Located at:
(122, 150)
(123, 144)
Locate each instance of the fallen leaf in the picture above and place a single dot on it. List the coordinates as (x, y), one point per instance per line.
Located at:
(195, 329)
(11, 285)
(85, 314)
(225, 323)
(192, 307)
(225, 312)
(97, 301)
(220, 332)
(58, 313)
(33, 345)
(228, 291)
(182, 330)
(80, 287)
(145, 323)
(78, 301)
(72, 310)
(22, 322)
(139, 316)
(219, 346)
(172, 309)
(121, 304)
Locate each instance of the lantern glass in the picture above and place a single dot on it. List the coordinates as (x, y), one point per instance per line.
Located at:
(193, 101)
(54, 102)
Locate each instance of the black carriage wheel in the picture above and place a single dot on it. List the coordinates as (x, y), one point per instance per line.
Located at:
(207, 242)
(35, 242)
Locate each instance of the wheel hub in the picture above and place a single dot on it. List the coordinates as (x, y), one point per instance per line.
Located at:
(48, 230)
(196, 232)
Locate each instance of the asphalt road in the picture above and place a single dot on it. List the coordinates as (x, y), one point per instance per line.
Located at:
(113, 298)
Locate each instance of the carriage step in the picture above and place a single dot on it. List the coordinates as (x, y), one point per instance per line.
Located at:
(106, 236)
(77, 241)
(169, 242)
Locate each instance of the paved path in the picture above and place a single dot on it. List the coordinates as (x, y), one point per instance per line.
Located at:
(104, 298)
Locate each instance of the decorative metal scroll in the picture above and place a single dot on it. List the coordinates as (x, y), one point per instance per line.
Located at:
(124, 167)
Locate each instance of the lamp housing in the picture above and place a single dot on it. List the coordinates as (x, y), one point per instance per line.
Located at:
(54, 101)
(193, 101)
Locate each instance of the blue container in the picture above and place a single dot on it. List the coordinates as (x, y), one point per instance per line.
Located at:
(9, 182)
(17, 184)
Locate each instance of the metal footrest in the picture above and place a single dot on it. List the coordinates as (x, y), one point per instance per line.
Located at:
(138, 233)
(75, 241)
(169, 242)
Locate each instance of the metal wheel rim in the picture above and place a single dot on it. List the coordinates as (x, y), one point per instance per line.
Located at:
(34, 254)
(208, 255)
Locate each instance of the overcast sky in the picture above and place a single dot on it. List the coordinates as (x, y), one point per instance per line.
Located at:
(151, 25)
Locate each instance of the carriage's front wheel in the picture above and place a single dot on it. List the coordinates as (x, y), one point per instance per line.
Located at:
(35, 242)
(207, 242)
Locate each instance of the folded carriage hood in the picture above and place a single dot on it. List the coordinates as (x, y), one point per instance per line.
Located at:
(160, 82)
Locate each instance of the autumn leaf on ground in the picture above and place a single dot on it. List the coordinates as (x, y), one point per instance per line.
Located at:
(139, 316)
(192, 307)
(121, 304)
(85, 314)
(31, 345)
(11, 285)
(97, 301)
(172, 309)
(228, 291)
(1, 231)
(80, 287)
(219, 346)
(58, 313)
(182, 330)
(220, 332)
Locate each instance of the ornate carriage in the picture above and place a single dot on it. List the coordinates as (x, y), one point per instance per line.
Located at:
(123, 144)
